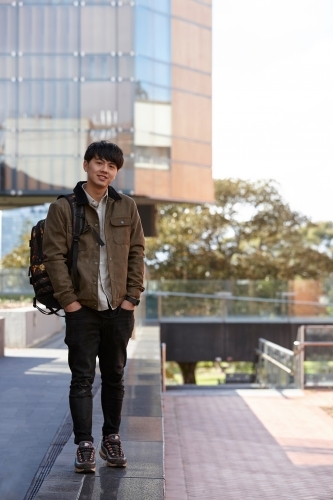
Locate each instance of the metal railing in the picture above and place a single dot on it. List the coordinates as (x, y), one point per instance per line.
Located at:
(313, 362)
(223, 305)
(309, 365)
(275, 366)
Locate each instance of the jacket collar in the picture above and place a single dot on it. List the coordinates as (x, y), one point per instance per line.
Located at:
(81, 197)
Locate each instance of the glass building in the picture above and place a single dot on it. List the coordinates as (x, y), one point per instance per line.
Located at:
(135, 73)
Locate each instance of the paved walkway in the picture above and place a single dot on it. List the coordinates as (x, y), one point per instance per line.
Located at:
(33, 403)
(251, 444)
(142, 436)
(34, 387)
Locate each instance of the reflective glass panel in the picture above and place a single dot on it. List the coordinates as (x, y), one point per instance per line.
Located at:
(8, 28)
(152, 34)
(159, 5)
(98, 67)
(7, 171)
(40, 173)
(48, 143)
(125, 29)
(148, 70)
(8, 107)
(125, 104)
(146, 91)
(48, 29)
(126, 67)
(98, 29)
(100, 110)
(56, 67)
(48, 2)
(50, 100)
(7, 67)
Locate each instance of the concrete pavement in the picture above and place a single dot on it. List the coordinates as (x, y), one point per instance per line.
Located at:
(33, 403)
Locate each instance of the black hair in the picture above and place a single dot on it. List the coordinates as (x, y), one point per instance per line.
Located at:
(105, 150)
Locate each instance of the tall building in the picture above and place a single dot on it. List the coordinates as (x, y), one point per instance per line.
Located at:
(136, 73)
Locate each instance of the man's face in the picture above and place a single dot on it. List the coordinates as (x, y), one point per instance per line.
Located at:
(100, 172)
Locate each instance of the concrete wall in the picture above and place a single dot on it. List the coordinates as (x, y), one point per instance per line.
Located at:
(25, 326)
(2, 336)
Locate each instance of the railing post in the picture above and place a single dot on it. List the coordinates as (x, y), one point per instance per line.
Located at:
(163, 365)
(159, 307)
(301, 358)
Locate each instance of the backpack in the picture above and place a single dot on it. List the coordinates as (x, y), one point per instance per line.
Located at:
(39, 278)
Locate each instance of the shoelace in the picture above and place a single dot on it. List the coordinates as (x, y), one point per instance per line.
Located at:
(114, 449)
(85, 454)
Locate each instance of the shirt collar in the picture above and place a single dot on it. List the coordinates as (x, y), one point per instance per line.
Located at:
(91, 200)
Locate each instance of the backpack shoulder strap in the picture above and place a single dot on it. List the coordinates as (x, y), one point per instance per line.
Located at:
(78, 222)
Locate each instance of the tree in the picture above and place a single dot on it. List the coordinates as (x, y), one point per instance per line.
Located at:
(248, 233)
(20, 255)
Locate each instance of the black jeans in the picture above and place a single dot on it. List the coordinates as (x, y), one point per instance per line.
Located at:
(89, 334)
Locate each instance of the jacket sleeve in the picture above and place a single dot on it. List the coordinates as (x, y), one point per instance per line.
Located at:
(135, 271)
(55, 249)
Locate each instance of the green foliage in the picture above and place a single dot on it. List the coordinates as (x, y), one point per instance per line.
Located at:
(249, 233)
(20, 255)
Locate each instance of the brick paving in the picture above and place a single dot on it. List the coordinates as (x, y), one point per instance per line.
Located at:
(251, 444)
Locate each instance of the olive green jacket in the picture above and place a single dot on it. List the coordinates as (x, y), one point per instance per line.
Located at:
(124, 243)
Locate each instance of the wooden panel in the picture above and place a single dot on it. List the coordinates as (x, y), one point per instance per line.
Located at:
(183, 183)
(153, 183)
(191, 152)
(193, 11)
(191, 116)
(191, 45)
(192, 183)
(192, 81)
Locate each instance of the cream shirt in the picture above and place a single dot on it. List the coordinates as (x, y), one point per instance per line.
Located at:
(104, 282)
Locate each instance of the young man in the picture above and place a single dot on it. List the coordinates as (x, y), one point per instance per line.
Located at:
(99, 313)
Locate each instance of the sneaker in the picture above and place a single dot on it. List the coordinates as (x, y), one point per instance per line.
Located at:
(85, 457)
(112, 452)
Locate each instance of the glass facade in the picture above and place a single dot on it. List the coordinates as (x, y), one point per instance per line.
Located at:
(73, 72)
(68, 77)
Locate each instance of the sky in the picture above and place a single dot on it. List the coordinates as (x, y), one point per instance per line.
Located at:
(273, 97)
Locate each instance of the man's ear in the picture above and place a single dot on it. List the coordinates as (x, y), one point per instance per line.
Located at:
(85, 166)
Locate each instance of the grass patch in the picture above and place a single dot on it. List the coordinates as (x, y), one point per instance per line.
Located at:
(207, 372)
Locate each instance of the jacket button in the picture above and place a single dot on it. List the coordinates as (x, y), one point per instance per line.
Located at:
(110, 258)
(121, 222)
(96, 225)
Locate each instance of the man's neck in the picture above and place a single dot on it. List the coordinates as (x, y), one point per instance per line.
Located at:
(96, 194)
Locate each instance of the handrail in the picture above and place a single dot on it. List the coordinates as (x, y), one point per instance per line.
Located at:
(272, 360)
(277, 346)
(299, 346)
(234, 297)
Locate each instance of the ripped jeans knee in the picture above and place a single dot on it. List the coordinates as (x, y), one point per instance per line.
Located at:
(80, 389)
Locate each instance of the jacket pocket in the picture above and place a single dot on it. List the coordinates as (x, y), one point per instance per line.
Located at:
(121, 230)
